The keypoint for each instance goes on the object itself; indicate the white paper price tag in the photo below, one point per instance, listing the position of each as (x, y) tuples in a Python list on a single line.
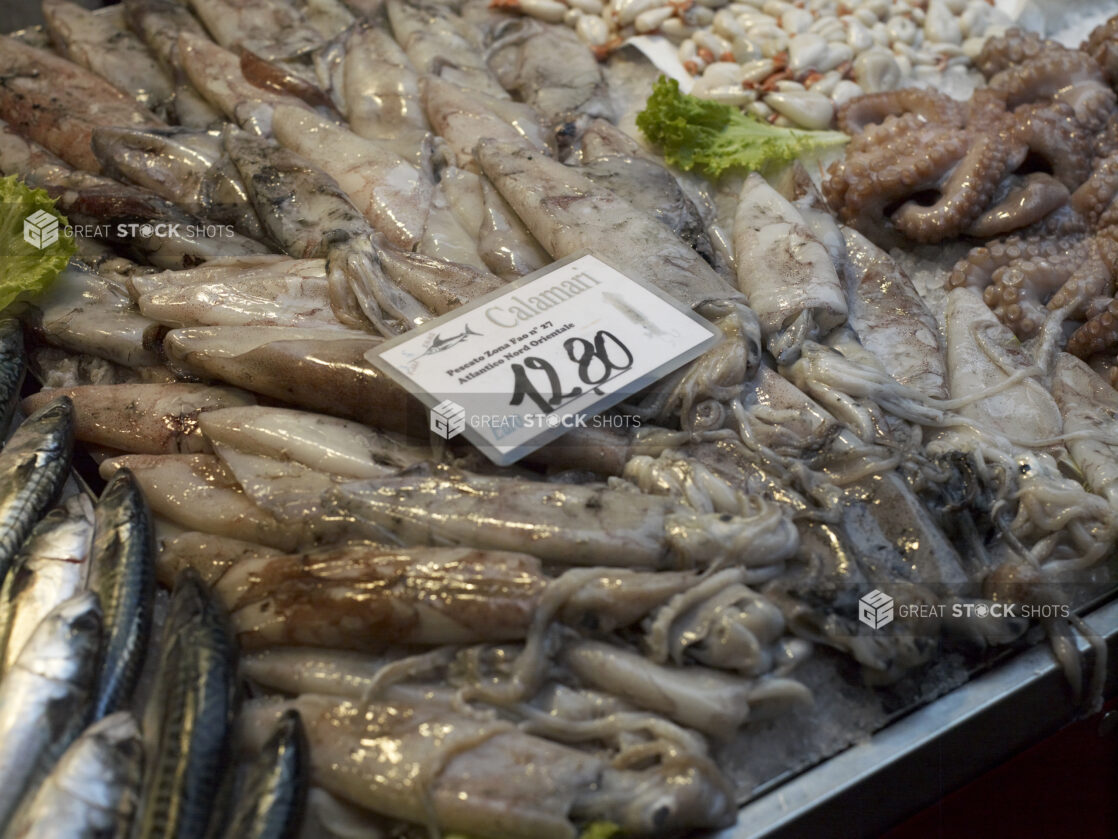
[(541, 356)]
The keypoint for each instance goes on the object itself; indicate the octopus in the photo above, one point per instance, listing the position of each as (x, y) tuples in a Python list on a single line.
[(1029, 165), (922, 167)]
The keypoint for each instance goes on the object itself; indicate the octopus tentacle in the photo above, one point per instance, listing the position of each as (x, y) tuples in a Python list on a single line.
[(976, 270), (861, 187), (1010, 49), (1102, 45), (1106, 139), (1029, 143), (1019, 289), (1017, 293), (969, 188), (1092, 278), (1061, 223), (1097, 193), (1050, 131), (895, 130), (1092, 102), (854, 116), (1026, 201), (908, 132), (1097, 335), (1044, 75)]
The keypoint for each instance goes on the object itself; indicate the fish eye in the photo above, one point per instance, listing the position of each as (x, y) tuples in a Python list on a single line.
[(661, 815)]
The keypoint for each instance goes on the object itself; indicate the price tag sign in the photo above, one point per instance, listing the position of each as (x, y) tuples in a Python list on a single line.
[(541, 356)]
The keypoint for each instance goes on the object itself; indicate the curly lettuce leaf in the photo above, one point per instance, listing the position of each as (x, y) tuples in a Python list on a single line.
[(600, 830), (712, 138), (28, 218)]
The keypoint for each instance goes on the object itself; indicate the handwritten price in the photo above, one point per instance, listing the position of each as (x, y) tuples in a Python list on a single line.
[(597, 362)]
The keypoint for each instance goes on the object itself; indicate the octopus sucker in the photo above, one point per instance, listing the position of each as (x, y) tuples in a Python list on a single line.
[(1045, 74), (968, 188), (1092, 278), (924, 168), (1092, 198), (1023, 290), (1050, 131), (981, 266), (1061, 264), (1102, 45), (1097, 335), (1010, 50)]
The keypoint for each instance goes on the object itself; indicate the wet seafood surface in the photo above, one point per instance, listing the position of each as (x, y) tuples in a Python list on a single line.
[(290, 609)]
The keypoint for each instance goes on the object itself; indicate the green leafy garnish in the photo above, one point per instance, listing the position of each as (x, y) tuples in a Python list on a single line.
[(600, 830), (711, 137), (26, 266)]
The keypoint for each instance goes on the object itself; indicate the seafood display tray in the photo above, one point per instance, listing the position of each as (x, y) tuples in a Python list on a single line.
[(929, 750), (917, 759)]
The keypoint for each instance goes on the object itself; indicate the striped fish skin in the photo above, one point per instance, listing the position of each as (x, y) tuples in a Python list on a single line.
[(274, 793), (13, 366), (191, 710), (91, 793), (33, 467), (45, 699), (123, 575), (52, 567)]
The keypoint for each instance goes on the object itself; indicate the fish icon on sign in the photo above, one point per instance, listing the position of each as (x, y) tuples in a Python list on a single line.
[(440, 344)]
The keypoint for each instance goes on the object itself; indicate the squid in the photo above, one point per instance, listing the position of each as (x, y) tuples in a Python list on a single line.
[(428, 764)]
